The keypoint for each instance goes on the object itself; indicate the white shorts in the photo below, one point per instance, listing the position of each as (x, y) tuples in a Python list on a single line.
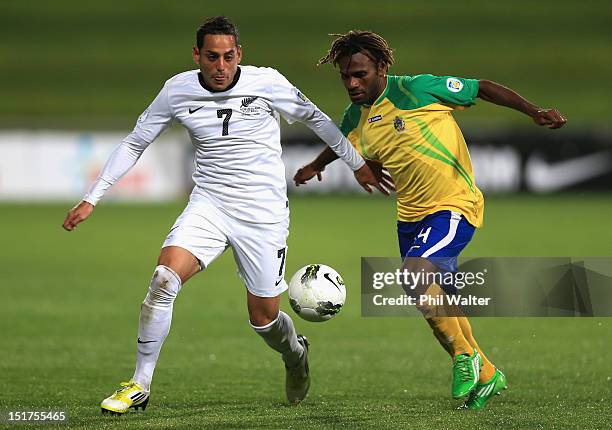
[(260, 250)]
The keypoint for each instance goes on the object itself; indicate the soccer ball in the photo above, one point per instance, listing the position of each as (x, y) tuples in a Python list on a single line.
[(316, 292)]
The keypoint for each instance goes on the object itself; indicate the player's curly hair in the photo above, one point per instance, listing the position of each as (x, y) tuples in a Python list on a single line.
[(368, 43), (216, 25)]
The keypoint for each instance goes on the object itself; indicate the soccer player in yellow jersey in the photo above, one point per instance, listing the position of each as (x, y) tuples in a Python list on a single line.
[(404, 124)]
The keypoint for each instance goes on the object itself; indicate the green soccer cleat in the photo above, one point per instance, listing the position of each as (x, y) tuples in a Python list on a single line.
[(483, 392), (466, 369), (297, 379), (130, 395)]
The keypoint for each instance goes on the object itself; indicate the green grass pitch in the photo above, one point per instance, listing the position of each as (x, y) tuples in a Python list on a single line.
[(70, 306)]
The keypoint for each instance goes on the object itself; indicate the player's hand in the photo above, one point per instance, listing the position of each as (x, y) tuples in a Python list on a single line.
[(77, 214), (306, 173), (366, 177), (551, 118), (381, 174)]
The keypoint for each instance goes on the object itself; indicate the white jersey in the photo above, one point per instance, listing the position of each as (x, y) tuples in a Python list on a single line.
[(236, 135)]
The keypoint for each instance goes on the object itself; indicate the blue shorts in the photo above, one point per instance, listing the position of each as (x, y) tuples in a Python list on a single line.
[(440, 237)]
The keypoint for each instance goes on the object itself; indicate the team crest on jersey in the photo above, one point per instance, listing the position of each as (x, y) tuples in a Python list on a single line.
[(399, 124), (246, 108), (248, 100), (454, 85)]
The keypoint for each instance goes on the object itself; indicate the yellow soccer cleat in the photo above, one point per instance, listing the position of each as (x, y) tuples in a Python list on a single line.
[(130, 395)]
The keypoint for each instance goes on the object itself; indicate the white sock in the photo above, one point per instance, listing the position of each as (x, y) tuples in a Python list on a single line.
[(155, 319), (280, 336)]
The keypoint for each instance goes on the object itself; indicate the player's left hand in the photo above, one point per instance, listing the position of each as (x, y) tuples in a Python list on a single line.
[(306, 173), (366, 177), (77, 215), (381, 174), (551, 118)]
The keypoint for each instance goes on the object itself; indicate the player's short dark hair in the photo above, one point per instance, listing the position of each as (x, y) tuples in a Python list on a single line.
[(368, 43), (216, 25)]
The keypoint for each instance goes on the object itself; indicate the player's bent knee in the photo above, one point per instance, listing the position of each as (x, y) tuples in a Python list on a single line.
[(262, 320), (180, 261), (262, 310), (165, 286)]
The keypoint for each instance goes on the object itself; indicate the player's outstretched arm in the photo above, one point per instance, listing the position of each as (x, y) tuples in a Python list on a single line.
[(338, 144), (316, 167), (154, 120), (77, 215), (500, 95), (121, 160)]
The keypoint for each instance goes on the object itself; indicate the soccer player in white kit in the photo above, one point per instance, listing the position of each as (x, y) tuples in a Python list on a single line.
[(239, 200)]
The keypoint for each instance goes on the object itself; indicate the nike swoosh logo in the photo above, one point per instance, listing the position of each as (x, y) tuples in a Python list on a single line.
[(541, 176), (195, 110), (278, 282), (146, 341), (326, 276)]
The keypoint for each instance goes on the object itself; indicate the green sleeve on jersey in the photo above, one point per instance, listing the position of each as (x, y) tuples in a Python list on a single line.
[(447, 89), (401, 95), (350, 119)]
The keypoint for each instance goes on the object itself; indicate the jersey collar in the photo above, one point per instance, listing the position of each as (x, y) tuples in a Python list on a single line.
[(232, 85), (384, 93)]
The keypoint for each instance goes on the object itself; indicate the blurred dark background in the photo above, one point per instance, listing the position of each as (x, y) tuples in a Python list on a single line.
[(96, 65)]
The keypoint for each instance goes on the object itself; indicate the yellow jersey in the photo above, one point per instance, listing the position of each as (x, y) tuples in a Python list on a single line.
[(411, 131)]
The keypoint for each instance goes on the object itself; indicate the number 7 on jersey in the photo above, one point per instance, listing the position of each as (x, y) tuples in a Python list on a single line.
[(228, 115)]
